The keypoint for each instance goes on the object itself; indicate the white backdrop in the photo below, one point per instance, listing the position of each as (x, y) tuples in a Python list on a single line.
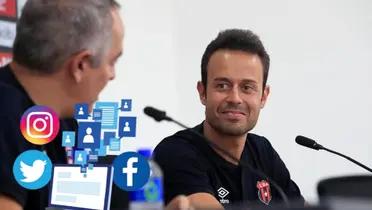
[(320, 76)]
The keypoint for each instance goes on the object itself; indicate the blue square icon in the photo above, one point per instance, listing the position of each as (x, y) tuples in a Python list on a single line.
[(107, 136), (97, 114), (90, 166), (69, 153), (68, 139), (101, 151), (114, 144), (109, 117), (92, 158), (89, 134), (80, 157), (126, 105), (127, 126), (81, 111)]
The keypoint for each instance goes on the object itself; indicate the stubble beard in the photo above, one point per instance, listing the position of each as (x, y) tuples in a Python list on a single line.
[(230, 128)]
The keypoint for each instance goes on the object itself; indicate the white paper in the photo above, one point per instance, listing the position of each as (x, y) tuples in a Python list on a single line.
[(72, 189)]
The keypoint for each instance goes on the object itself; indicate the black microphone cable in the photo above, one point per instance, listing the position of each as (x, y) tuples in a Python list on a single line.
[(307, 142)]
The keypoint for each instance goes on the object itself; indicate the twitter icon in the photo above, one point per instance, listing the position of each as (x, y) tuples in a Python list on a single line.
[(32, 169)]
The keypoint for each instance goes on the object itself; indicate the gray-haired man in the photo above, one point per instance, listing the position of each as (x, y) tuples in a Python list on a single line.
[(64, 53)]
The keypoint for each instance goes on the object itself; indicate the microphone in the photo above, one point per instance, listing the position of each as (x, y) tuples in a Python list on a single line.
[(156, 114), (307, 142), (161, 115)]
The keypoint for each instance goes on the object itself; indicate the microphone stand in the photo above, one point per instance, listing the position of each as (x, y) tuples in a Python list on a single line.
[(348, 158), (310, 143)]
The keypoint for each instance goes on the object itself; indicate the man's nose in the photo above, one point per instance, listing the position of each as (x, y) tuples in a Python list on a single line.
[(234, 96)]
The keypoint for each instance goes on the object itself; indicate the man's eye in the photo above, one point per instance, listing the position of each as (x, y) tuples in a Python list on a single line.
[(222, 86), (249, 88)]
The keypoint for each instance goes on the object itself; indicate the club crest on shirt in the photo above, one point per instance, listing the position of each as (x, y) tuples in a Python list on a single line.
[(222, 193), (264, 192)]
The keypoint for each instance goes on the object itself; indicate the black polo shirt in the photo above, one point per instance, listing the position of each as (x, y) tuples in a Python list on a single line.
[(190, 166), (13, 102)]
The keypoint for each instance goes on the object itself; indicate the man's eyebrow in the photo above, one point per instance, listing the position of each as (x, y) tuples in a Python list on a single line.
[(224, 79), (221, 79), (251, 81)]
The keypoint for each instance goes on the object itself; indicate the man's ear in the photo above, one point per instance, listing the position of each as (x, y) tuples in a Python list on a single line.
[(265, 95), (202, 92), (79, 64)]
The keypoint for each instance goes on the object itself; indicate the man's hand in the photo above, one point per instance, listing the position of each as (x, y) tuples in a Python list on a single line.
[(204, 201), (180, 202), (194, 201), (8, 203)]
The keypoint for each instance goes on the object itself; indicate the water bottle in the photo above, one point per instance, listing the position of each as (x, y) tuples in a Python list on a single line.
[(150, 197)]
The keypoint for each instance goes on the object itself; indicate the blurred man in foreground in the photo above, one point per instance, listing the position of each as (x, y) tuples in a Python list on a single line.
[(64, 53)]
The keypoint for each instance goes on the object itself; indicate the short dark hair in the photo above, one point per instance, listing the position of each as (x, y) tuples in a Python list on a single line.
[(236, 39)]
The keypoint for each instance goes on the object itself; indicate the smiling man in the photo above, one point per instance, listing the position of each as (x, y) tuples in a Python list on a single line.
[(233, 89)]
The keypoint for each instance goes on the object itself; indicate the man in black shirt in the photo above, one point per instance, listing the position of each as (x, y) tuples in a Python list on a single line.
[(64, 53), (233, 90)]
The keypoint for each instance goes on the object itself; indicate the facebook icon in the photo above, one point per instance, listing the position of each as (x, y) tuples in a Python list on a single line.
[(131, 171)]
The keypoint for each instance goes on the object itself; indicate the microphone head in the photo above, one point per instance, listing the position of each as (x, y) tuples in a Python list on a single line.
[(155, 113), (307, 142)]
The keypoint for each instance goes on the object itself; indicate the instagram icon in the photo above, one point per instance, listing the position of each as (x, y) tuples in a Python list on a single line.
[(39, 125)]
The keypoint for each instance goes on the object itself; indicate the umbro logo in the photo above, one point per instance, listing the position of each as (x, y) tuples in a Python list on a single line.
[(222, 193)]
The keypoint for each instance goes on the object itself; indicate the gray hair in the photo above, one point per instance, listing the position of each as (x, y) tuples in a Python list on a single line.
[(51, 31)]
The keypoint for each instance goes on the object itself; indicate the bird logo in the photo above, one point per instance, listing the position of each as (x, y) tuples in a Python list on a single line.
[(32, 169), (34, 172)]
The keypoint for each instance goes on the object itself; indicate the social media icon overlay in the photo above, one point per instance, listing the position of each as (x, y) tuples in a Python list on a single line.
[(32, 169), (107, 137), (127, 126), (68, 138), (80, 157), (114, 144), (126, 105), (109, 114), (89, 134), (131, 171), (97, 114), (39, 125), (81, 111)]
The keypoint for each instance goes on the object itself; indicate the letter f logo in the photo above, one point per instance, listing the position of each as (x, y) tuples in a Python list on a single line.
[(130, 170)]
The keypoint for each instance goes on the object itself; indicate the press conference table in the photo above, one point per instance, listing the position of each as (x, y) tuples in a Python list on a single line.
[(332, 204)]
